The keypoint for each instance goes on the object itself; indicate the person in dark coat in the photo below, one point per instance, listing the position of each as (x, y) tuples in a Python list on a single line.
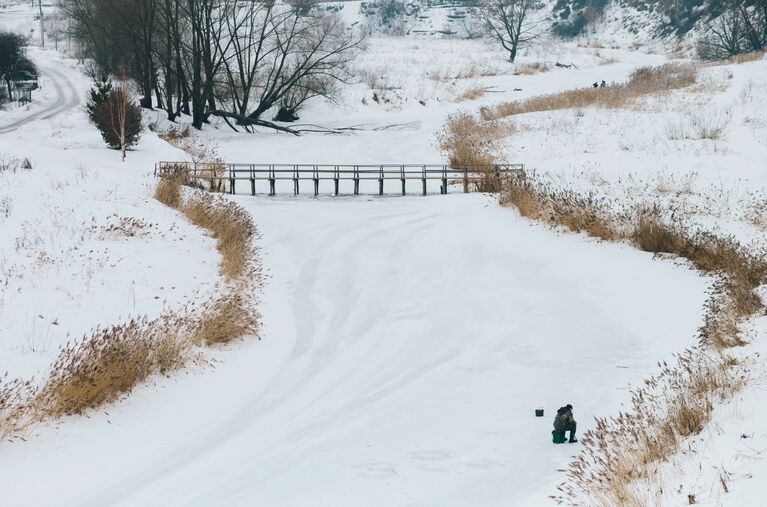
[(564, 422)]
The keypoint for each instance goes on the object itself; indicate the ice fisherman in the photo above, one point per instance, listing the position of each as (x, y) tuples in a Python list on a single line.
[(564, 422)]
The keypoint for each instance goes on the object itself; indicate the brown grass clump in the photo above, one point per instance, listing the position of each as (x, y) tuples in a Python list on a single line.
[(232, 316), (747, 57), (176, 134), (468, 141), (570, 210), (229, 224), (168, 191), (110, 364), (476, 145), (642, 81), (651, 234), (470, 94), (15, 406), (529, 69), (608, 61)]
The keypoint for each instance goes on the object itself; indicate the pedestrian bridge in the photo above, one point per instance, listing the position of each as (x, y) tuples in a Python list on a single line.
[(225, 177)]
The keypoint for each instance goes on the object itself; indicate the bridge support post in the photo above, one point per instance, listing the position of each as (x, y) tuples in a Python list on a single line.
[(316, 187), (380, 181), (465, 180), (356, 180), (252, 186)]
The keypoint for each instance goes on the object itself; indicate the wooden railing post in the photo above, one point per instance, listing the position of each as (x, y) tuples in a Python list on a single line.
[(402, 176), (336, 178), (423, 179), (380, 181), (444, 180), (356, 180), (252, 180), (271, 180), (465, 180), (295, 180), (316, 176), (231, 179)]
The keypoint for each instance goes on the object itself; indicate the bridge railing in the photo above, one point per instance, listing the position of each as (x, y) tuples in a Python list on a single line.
[(220, 177)]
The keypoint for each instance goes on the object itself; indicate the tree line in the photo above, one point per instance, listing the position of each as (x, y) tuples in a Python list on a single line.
[(235, 59)]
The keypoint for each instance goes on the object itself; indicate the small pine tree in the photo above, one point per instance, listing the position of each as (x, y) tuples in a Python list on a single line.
[(102, 87), (115, 114)]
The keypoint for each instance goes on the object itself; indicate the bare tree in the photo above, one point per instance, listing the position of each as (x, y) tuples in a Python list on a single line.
[(282, 55), (740, 28), (510, 21)]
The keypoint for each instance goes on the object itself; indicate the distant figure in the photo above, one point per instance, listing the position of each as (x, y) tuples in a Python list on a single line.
[(595, 85), (564, 422), (603, 84)]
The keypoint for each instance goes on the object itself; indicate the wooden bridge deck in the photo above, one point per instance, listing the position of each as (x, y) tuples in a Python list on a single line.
[(219, 176)]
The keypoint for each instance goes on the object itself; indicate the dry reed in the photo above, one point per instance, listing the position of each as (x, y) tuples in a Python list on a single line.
[(642, 81), (476, 145)]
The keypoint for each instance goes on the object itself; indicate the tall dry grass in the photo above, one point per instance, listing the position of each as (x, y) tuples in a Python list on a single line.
[(111, 362), (642, 81), (229, 224), (469, 142), (168, 191), (678, 402)]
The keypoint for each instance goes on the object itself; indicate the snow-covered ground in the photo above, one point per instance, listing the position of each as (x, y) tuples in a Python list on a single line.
[(406, 341)]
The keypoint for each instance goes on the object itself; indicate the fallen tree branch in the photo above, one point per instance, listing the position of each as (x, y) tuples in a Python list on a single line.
[(246, 120)]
